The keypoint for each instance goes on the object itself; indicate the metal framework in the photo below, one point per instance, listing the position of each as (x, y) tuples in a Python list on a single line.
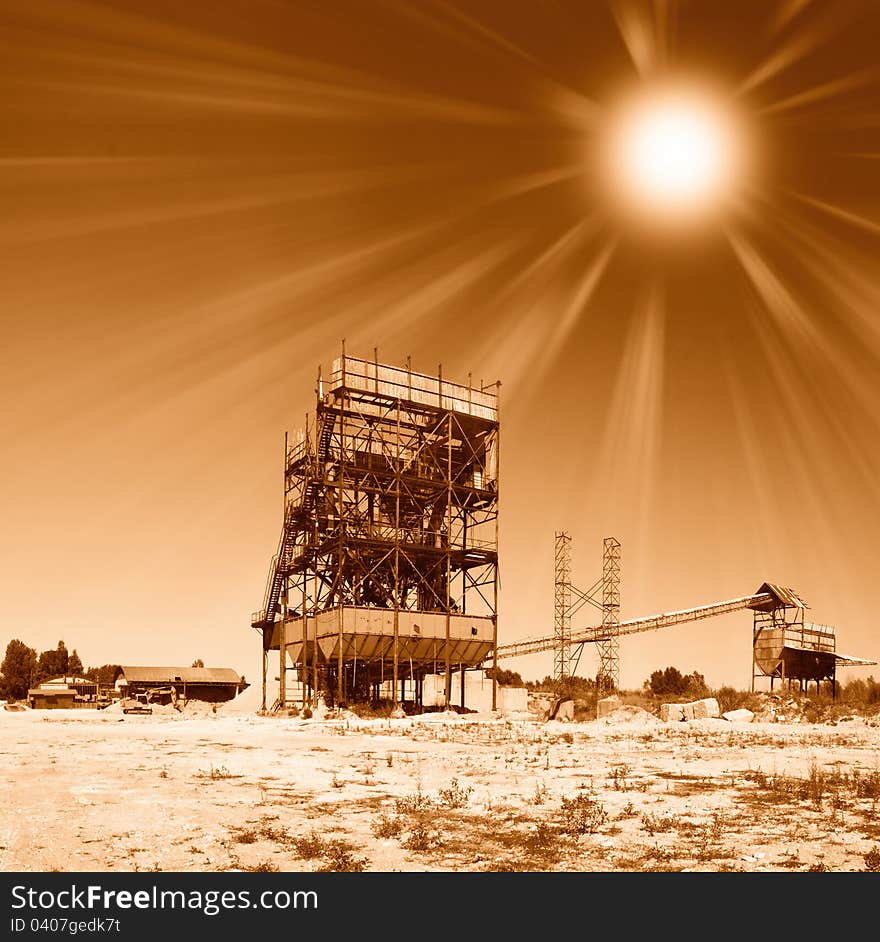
[(562, 609), (608, 678), (597, 633), (387, 565), (787, 648), (568, 600), (784, 646)]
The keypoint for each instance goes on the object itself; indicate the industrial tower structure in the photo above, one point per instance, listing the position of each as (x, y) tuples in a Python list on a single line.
[(608, 678), (785, 647), (562, 609), (567, 654), (387, 564)]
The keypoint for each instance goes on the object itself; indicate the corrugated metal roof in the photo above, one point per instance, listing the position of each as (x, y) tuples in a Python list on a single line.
[(66, 681), (784, 594), (187, 675), (847, 660)]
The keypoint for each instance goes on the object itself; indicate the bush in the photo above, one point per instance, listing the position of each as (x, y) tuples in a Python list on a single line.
[(245, 837), (309, 846), (582, 815), (729, 699), (413, 804), (421, 837), (672, 683), (455, 796), (340, 859), (504, 677), (387, 825), (658, 824), (861, 693)]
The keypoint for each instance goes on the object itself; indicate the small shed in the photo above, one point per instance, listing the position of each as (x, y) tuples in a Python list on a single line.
[(51, 698), (211, 684), (83, 687)]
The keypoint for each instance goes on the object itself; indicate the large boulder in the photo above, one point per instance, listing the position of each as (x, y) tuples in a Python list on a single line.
[(672, 712), (607, 705), (706, 708), (564, 711)]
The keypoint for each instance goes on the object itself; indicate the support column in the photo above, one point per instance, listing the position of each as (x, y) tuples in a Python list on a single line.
[(562, 608), (495, 575), (315, 687), (282, 652), (448, 541), (397, 554), (340, 574), (304, 659), (609, 647)]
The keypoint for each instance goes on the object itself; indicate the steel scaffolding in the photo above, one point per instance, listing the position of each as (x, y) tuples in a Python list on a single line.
[(562, 609), (608, 676), (387, 566)]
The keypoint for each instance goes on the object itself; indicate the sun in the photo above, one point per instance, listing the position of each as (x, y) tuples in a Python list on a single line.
[(673, 154)]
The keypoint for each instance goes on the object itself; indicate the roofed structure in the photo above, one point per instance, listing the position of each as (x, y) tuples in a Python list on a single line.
[(189, 675), (213, 684)]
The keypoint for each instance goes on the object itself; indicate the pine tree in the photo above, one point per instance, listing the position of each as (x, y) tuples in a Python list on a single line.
[(74, 665)]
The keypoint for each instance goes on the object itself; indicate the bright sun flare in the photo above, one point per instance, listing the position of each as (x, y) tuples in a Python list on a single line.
[(672, 154)]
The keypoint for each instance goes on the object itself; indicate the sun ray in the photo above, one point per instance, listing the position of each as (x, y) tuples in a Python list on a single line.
[(792, 50), (799, 349), (631, 439), (788, 10), (821, 92), (841, 272), (838, 212), (513, 352), (574, 310), (638, 34)]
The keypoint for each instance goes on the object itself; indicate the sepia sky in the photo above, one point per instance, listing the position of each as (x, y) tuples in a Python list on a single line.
[(199, 200)]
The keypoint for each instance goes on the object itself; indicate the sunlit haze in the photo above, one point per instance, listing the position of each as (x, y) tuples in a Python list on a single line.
[(201, 199)]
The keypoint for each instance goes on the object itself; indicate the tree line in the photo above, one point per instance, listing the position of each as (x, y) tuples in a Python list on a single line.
[(23, 668)]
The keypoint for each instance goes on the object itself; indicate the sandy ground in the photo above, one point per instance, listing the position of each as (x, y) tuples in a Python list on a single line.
[(102, 791)]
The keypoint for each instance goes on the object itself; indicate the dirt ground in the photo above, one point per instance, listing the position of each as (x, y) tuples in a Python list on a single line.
[(90, 791)]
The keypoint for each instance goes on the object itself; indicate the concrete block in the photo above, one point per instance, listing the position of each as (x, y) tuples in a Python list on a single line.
[(607, 705), (672, 712), (703, 709), (565, 711), (739, 716)]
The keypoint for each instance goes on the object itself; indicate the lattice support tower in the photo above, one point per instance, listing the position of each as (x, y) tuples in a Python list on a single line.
[(608, 677), (562, 609)]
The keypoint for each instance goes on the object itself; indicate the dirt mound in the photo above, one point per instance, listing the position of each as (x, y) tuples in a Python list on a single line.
[(248, 701)]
